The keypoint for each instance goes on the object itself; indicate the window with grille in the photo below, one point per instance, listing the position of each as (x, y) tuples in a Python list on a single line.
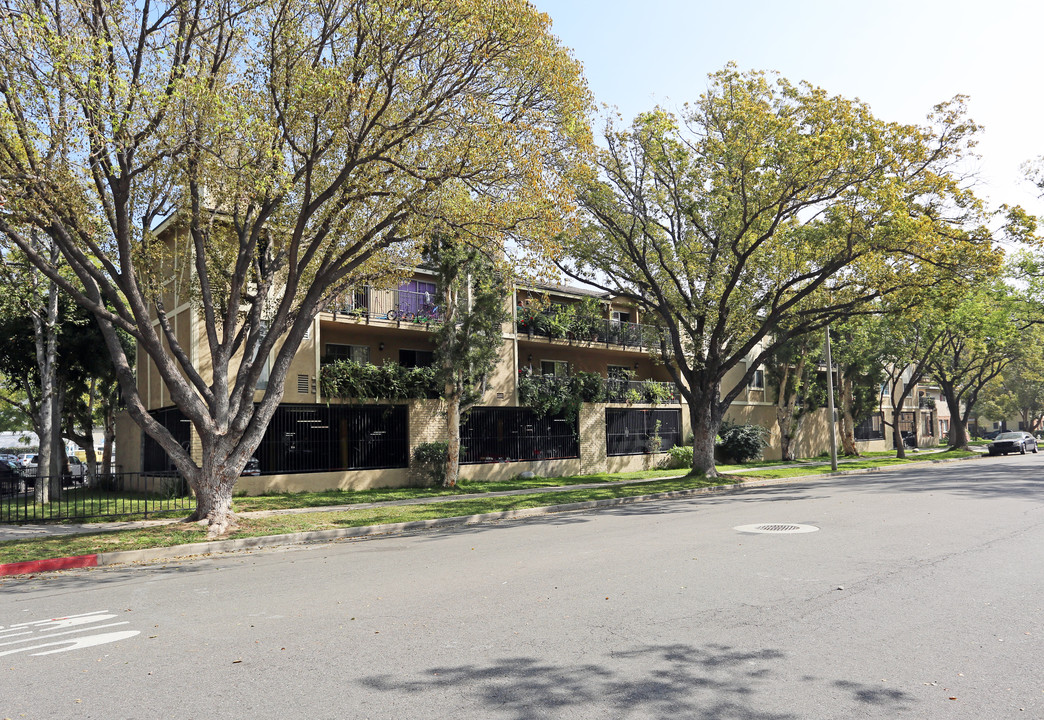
[(630, 431), (303, 386), (509, 434)]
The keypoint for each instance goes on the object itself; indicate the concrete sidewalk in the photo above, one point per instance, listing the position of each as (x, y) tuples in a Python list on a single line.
[(39, 530), (23, 532)]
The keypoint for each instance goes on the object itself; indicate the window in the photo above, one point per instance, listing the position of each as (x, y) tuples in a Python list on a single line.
[(416, 358), (303, 386), (358, 353), (619, 372), (944, 427), (757, 381), (557, 368), (620, 317), (414, 295)]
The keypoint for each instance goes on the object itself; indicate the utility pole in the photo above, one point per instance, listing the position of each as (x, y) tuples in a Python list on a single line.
[(830, 402)]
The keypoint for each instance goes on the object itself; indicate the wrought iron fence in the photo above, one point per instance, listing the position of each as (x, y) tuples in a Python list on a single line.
[(509, 434), (114, 495), (637, 432)]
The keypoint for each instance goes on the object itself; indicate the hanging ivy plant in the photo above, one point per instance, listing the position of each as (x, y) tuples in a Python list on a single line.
[(349, 380), (550, 395)]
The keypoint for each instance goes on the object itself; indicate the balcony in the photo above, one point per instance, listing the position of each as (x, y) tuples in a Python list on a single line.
[(600, 330), (400, 306), (641, 391), (554, 391)]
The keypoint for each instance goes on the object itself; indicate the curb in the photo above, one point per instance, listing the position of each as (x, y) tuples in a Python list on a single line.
[(122, 557), (62, 563)]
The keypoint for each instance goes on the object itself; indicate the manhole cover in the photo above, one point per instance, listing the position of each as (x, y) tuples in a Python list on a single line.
[(776, 528)]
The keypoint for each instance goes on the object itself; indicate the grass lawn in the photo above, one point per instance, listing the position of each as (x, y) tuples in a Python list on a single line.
[(872, 462), (181, 533), (282, 501), (468, 498)]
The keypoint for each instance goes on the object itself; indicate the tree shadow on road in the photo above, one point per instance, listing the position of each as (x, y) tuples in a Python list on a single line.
[(659, 681)]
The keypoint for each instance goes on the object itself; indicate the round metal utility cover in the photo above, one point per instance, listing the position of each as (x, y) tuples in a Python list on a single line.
[(777, 528)]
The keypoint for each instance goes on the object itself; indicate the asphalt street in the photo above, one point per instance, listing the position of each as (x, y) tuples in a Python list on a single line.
[(920, 595)]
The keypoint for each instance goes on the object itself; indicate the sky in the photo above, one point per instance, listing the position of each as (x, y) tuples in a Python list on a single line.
[(900, 57)]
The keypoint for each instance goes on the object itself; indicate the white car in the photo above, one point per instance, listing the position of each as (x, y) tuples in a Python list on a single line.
[(77, 468)]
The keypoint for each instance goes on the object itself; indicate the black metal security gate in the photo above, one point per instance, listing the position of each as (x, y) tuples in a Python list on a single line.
[(510, 434), (638, 431), (316, 438)]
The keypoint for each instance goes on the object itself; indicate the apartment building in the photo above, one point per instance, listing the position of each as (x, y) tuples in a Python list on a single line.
[(321, 440)]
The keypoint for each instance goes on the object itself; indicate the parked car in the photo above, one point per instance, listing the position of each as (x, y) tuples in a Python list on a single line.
[(1009, 442), (11, 480), (77, 468), (253, 467)]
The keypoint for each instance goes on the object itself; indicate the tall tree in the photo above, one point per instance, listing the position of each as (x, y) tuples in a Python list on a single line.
[(769, 205), (858, 354), (294, 149), (468, 341), (31, 325), (792, 371), (910, 344), (982, 337)]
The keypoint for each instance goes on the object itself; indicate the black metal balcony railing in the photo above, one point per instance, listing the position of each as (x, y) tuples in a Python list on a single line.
[(612, 332), (640, 391), (395, 305)]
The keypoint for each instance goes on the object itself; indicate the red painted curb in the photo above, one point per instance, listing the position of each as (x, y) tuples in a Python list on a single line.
[(64, 563)]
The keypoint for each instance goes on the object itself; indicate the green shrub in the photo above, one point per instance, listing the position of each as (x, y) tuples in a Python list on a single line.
[(350, 380), (429, 463), (741, 443), (678, 457)]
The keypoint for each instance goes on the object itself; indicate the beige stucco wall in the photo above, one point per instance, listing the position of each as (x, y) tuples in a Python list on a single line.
[(128, 443)]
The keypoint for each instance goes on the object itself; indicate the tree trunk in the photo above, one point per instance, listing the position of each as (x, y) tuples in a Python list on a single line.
[(848, 445), (213, 483), (897, 435), (453, 435), (787, 429), (958, 424), (109, 433), (58, 461), (706, 421)]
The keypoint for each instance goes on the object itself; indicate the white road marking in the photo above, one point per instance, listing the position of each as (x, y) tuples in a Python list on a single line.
[(45, 630)]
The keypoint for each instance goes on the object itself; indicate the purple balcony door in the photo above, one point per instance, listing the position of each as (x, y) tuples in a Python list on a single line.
[(415, 294)]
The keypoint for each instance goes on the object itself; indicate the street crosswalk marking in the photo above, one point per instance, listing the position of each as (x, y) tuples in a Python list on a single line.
[(62, 634)]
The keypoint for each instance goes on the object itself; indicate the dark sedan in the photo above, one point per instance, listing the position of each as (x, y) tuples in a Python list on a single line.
[(1009, 442)]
